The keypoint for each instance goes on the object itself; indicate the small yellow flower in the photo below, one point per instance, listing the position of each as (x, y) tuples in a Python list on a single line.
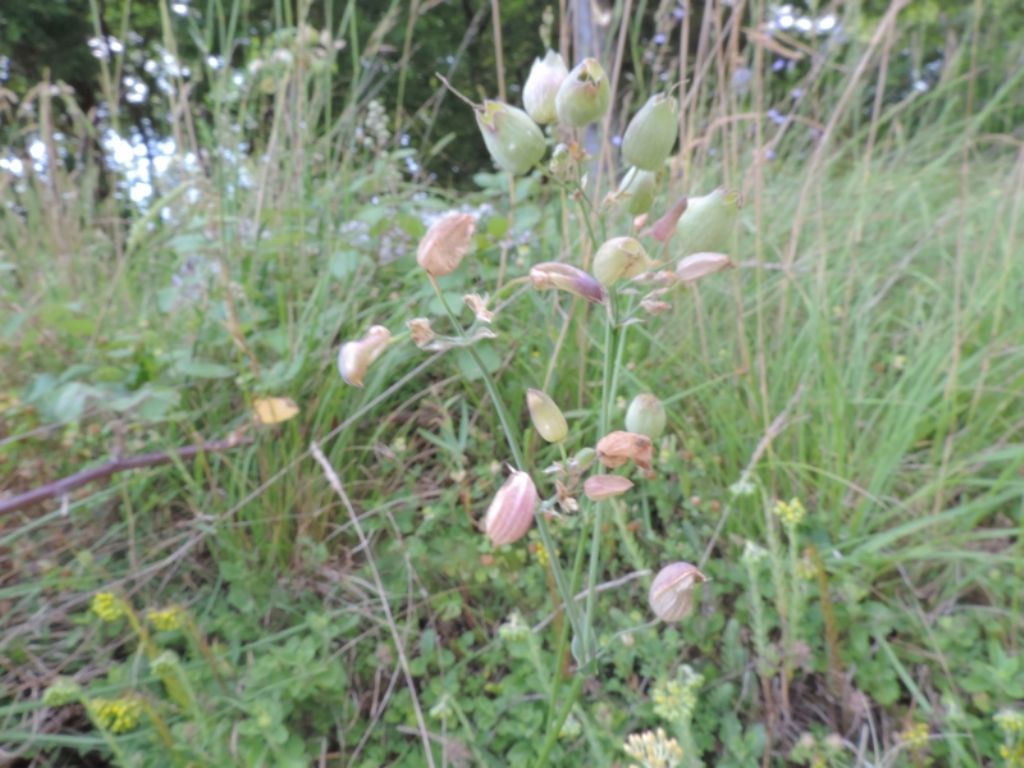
[(116, 715), (915, 736), (791, 513), (108, 606), (167, 619), (653, 749)]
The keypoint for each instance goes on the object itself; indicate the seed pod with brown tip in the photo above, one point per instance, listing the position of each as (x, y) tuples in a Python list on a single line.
[(584, 95), (616, 448), (511, 512), (514, 141), (671, 595), (446, 243)]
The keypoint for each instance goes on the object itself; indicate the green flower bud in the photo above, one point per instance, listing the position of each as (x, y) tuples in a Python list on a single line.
[(63, 690), (708, 223), (546, 416), (546, 76), (651, 133), (637, 190), (620, 257), (584, 95), (646, 416), (515, 142)]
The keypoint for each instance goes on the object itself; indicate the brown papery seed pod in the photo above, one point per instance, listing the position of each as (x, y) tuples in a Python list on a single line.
[(446, 243), (355, 357), (616, 448)]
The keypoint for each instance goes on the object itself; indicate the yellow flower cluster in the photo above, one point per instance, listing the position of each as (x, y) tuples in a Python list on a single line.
[(790, 513), (116, 715), (654, 749), (167, 619), (915, 736), (675, 700), (542, 555), (1010, 722), (108, 606)]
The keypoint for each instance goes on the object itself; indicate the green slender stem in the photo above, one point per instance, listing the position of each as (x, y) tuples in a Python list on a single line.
[(589, 641), (499, 405), (584, 201), (555, 729), (517, 457)]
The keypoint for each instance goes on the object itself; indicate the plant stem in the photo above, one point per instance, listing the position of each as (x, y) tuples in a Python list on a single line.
[(517, 457), (556, 727), (499, 405)]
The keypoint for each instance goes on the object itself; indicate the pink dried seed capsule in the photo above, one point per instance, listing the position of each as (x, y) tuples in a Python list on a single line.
[(671, 594), (663, 229), (698, 265), (564, 277), (599, 487), (511, 512)]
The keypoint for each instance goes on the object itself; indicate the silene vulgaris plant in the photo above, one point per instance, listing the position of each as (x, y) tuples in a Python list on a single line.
[(624, 266)]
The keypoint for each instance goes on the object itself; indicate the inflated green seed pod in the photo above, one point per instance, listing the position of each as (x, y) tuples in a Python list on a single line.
[(515, 142), (620, 257), (546, 416), (651, 133), (708, 223), (584, 95), (637, 190), (646, 416)]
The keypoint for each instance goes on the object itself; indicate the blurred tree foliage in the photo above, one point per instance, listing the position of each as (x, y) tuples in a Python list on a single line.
[(453, 37)]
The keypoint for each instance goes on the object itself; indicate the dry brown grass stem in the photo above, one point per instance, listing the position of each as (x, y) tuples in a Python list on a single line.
[(335, 483)]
